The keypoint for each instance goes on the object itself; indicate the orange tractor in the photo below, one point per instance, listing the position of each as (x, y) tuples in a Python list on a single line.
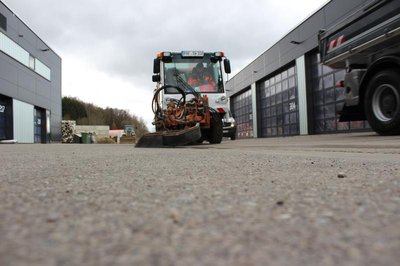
[(182, 112)]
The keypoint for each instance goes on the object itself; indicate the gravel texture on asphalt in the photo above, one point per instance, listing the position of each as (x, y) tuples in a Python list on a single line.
[(200, 205)]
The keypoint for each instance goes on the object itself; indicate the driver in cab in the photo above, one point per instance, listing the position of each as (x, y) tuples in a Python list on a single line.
[(201, 79)]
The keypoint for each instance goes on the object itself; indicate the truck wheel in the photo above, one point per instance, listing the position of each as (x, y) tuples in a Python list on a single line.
[(382, 102), (216, 133), (233, 136)]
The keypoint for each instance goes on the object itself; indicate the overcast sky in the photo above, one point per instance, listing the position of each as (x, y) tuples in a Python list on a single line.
[(107, 47)]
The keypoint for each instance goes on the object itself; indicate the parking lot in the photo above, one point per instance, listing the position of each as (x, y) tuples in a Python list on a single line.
[(304, 200)]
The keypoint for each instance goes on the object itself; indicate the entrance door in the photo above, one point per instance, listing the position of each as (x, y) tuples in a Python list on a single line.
[(2, 121), (6, 123), (40, 125)]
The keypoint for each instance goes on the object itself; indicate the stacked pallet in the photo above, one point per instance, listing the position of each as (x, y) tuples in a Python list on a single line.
[(68, 131)]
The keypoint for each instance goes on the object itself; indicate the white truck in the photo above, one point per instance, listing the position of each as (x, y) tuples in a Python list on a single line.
[(367, 45)]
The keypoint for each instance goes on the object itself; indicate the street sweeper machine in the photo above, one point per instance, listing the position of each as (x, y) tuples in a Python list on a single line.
[(189, 100)]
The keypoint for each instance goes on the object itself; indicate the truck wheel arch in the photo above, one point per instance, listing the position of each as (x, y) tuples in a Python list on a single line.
[(386, 62), (382, 102)]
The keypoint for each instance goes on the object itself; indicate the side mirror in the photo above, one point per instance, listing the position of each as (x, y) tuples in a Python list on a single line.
[(227, 66), (156, 66), (156, 78)]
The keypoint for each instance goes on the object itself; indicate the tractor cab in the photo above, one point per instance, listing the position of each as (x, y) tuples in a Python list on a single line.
[(193, 71)]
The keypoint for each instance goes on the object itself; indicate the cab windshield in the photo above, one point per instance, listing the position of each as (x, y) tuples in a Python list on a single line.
[(199, 74)]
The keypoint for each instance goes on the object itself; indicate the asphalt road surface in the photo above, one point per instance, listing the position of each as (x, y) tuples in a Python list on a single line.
[(305, 200)]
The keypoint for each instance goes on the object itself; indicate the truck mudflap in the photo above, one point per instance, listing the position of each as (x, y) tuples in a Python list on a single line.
[(170, 138), (351, 113)]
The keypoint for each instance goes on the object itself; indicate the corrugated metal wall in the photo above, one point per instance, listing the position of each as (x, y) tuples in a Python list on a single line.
[(23, 122)]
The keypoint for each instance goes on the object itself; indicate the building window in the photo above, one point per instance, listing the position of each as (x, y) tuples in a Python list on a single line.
[(31, 62), (42, 69), (12, 49), (15, 51)]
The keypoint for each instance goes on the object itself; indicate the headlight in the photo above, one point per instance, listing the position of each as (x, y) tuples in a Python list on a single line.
[(221, 99)]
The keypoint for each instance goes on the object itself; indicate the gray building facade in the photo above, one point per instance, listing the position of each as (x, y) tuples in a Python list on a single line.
[(30, 84), (286, 91)]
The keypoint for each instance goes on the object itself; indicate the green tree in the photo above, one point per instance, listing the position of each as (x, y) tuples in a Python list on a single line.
[(89, 114), (73, 109)]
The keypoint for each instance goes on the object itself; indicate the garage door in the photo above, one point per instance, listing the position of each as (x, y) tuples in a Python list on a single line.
[(242, 109), (328, 99), (278, 104)]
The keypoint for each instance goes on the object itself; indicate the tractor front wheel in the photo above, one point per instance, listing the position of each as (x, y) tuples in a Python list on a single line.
[(215, 134)]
